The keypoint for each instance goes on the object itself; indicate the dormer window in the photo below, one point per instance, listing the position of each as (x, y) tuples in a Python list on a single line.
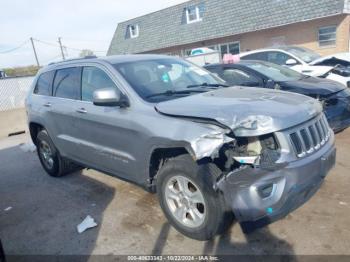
[(134, 31), (193, 14)]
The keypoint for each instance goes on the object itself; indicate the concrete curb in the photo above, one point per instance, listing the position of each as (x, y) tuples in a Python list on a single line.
[(12, 121)]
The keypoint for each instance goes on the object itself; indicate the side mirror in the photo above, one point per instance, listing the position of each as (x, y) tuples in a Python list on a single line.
[(109, 97), (291, 62), (270, 84)]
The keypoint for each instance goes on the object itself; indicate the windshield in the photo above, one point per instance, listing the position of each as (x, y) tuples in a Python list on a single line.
[(163, 79), (304, 54), (275, 72)]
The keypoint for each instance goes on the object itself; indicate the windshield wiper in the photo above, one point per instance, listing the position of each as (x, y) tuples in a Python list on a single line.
[(207, 85), (171, 93)]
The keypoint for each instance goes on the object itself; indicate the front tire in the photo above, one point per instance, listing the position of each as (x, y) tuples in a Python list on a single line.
[(51, 160), (186, 195)]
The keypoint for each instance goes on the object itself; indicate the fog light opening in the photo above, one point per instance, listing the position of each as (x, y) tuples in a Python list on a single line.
[(266, 191)]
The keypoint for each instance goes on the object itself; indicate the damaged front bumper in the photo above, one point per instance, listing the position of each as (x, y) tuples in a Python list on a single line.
[(256, 194)]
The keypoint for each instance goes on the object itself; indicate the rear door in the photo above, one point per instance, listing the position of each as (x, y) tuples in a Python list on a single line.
[(62, 122), (39, 103)]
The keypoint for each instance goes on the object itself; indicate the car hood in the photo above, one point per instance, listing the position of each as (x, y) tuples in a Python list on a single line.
[(247, 111), (316, 70), (339, 56), (312, 86)]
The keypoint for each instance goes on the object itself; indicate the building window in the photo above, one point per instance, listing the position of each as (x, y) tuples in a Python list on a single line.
[(188, 52), (134, 31), (193, 14), (230, 48), (327, 36)]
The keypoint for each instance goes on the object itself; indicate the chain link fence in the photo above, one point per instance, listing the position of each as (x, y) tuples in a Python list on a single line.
[(13, 92)]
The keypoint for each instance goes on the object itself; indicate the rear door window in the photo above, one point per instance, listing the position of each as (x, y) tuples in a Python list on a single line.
[(67, 83), (44, 84), (93, 79), (262, 56)]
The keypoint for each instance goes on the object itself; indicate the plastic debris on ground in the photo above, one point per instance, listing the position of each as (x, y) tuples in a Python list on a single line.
[(88, 222), (7, 209), (343, 203), (27, 147)]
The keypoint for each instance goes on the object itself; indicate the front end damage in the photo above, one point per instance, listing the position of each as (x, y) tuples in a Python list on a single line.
[(273, 148), (265, 177)]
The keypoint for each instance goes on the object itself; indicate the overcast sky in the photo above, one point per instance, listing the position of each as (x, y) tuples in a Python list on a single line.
[(82, 24)]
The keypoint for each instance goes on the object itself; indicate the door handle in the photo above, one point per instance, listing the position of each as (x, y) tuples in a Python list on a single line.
[(48, 104), (82, 111)]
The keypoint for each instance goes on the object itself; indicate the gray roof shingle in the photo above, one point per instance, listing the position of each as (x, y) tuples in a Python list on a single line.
[(165, 28)]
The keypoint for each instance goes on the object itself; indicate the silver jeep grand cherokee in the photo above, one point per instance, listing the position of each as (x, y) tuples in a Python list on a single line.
[(208, 150)]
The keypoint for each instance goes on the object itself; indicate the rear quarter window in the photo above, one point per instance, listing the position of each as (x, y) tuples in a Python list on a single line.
[(44, 84), (67, 83)]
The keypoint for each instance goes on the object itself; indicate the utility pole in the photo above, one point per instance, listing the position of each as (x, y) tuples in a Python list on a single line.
[(35, 54), (59, 41)]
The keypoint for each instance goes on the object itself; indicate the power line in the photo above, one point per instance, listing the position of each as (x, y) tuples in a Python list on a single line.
[(15, 48), (67, 47), (86, 40), (46, 43), (51, 59)]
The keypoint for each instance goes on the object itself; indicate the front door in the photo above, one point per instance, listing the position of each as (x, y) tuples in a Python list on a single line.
[(107, 140)]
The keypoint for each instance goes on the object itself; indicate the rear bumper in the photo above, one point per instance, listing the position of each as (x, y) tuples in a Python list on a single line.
[(291, 185)]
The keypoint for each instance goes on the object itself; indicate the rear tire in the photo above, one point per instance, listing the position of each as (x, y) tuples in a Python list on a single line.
[(186, 195), (51, 160)]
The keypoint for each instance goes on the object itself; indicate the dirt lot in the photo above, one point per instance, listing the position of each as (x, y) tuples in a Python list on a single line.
[(45, 212)]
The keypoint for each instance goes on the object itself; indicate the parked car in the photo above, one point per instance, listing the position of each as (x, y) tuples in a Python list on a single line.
[(334, 96), (304, 61), (208, 150)]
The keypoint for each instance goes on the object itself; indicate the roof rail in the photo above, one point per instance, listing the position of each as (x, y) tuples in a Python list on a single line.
[(74, 59)]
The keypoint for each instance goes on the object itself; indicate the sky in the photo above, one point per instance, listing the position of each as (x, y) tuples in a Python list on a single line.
[(81, 24)]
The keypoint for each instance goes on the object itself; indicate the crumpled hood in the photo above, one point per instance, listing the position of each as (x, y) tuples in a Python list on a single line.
[(247, 111), (313, 86), (340, 56), (317, 70)]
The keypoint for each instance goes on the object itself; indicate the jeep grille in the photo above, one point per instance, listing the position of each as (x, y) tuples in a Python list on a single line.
[(311, 136)]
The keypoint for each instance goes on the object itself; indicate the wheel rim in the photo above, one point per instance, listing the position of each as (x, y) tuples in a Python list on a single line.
[(46, 154), (185, 201)]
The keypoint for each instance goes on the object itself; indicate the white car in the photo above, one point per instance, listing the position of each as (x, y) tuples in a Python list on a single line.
[(335, 67)]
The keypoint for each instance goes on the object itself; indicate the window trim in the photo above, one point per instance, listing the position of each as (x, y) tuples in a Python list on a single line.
[(137, 29), (331, 40), (198, 16)]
